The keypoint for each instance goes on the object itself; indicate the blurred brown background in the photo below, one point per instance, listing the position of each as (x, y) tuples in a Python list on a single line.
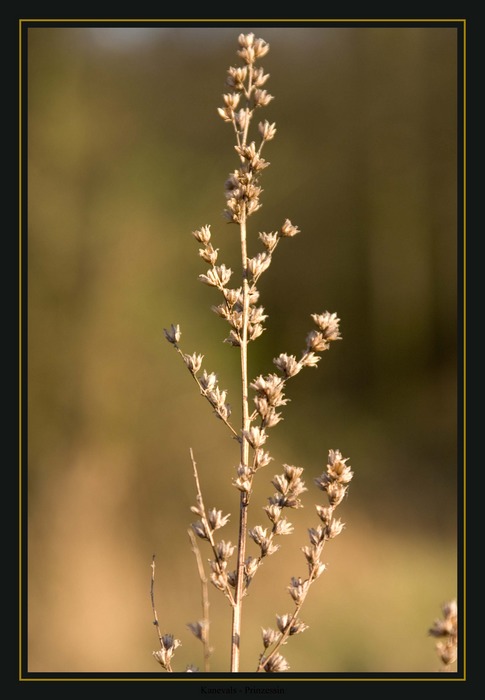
[(127, 156)]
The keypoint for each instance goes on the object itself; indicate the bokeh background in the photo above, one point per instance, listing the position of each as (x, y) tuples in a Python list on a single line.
[(126, 157)]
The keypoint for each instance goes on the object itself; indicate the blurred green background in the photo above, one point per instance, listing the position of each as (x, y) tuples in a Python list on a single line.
[(126, 157)]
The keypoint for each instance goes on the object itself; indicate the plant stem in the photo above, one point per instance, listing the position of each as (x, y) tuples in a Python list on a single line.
[(244, 499)]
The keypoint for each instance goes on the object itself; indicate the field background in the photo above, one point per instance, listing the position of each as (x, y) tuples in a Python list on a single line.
[(127, 156)]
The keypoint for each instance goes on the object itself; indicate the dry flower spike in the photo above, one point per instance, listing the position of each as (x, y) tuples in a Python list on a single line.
[(231, 568)]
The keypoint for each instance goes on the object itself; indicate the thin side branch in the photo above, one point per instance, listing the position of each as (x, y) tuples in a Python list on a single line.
[(152, 597), (205, 623), (207, 526), (168, 643)]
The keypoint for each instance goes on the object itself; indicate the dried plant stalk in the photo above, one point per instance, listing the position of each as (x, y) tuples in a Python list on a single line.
[(239, 307)]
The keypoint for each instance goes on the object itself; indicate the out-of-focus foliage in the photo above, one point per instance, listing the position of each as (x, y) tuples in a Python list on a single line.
[(127, 156)]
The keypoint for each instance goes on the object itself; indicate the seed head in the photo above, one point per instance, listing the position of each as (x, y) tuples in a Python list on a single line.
[(328, 324), (276, 664), (288, 230), (173, 335), (203, 234)]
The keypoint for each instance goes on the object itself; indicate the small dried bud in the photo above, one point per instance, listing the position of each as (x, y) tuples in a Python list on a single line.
[(208, 381), (224, 411), (258, 534), (259, 77), (255, 436), (251, 565), (257, 315), (315, 342), (317, 535), (318, 570), (259, 264), (268, 548), (255, 330), (269, 637), (233, 212), (217, 397), (209, 254), (323, 481), (271, 418), (267, 130), (447, 651), (200, 530), (309, 359), (173, 335), (276, 664), (231, 100), (288, 230), (224, 550), (298, 589), (246, 40), (287, 364), (262, 98), (285, 623), (336, 493), (161, 658), (193, 362), (312, 555), (283, 527), (236, 77), (198, 629), (248, 54), (334, 528), (280, 483), (261, 458), (271, 387), (337, 469), (216, 519), (203, 235), (328, 324), (232, 295), (261, 48), (217, 276), (169, 642), (444, 627), (293, 473), (269, 240), (282, 621), (324, 513), (273, 512), (447, 630), (221, 310), (290, 486), (243, 483), (233, 339), (251, 154), (164, 655), (220, 580), (253, 296), (242, 118), (232, 578), (226, 113)]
